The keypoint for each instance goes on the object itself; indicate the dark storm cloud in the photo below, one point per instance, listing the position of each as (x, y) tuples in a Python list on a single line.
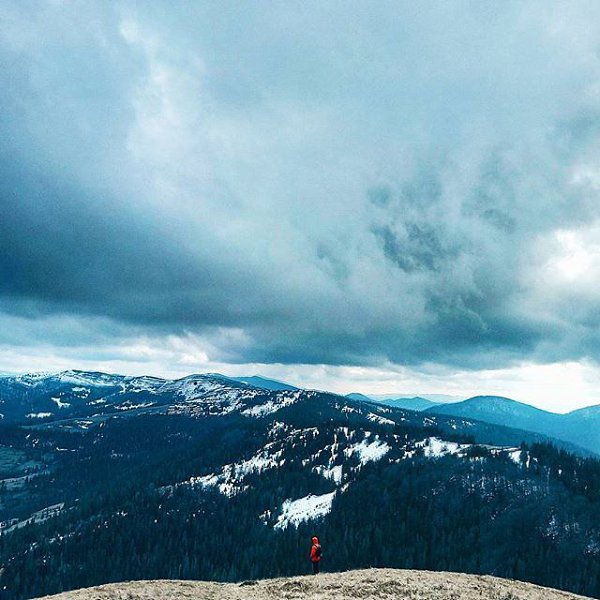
[(407, 185), (421, 248), (68, 250)]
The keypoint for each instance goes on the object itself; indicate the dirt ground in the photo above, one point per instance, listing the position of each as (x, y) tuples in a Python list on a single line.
[(365, 584)]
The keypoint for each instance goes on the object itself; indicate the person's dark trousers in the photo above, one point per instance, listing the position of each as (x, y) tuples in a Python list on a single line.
[(315, 567)]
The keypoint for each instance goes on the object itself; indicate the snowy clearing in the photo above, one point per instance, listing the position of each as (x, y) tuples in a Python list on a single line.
[(271, 406), (60, 404), (434, 447), (310, 507), (379, 419), (332, 473), (368, 451)]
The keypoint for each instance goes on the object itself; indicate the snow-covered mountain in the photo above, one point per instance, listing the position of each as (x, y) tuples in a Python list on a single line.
[(41, 398), (82, 399)]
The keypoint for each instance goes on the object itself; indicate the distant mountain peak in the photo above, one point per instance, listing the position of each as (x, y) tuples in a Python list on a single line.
[(501, 403), (360, 397), (417, 403), (265, 383)]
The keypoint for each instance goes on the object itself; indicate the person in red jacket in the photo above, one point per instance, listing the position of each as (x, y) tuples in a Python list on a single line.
[(315, 554)]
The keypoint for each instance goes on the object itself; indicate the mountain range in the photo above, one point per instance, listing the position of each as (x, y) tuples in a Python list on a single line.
[(581, 427), (414, 403), (193, 478)]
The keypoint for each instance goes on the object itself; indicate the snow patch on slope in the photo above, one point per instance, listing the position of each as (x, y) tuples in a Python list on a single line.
[(130, 406), (333, 473), (40, 415), (81, 378), (230, 481), (379, 419), (368, 450), (272, 406), (60, 404), (434, 447), (294, 512)]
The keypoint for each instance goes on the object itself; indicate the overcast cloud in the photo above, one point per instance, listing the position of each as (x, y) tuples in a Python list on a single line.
[(397, 187)]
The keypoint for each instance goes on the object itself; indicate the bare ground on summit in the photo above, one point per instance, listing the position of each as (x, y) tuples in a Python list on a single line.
[(364, 584)]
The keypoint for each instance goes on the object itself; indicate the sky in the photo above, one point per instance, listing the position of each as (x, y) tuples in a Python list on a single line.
[(383, 197)]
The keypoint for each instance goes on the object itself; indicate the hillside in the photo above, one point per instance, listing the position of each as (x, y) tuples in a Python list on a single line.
[(153, 468), (581, 427), (365, 584), (501, 411)]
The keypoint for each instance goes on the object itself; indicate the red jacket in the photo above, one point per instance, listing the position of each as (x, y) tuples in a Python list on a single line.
[(313, 551)]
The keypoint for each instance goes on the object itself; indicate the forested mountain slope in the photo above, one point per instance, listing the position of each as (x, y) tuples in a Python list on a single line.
[(581, 427), (209, 473)]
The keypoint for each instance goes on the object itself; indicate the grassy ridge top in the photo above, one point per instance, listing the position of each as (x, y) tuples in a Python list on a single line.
[(364, 584)]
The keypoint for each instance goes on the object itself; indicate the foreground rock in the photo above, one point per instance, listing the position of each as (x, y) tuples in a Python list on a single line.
[(370, 583)]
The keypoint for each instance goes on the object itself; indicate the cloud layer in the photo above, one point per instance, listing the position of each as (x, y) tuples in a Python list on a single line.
[(326, 183)]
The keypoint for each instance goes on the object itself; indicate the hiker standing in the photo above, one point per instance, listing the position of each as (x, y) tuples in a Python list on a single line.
[(315, 554)]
